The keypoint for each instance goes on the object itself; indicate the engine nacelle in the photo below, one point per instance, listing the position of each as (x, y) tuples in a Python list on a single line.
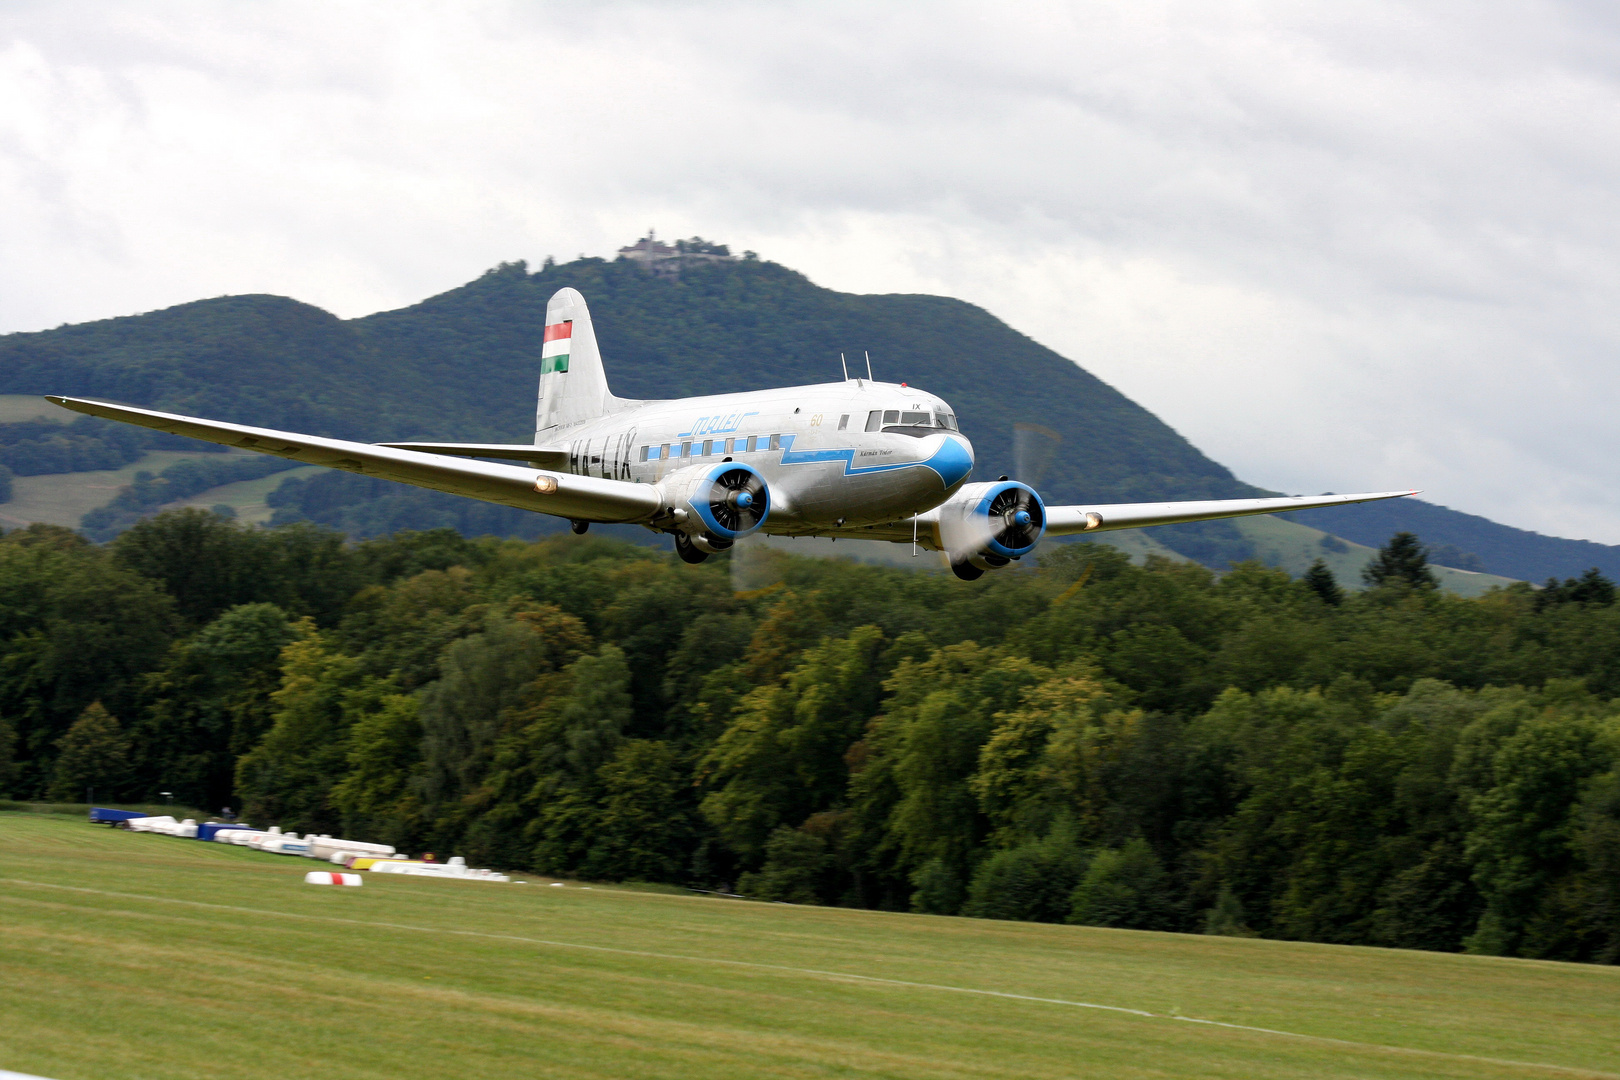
[(984, 526), (710, 507)]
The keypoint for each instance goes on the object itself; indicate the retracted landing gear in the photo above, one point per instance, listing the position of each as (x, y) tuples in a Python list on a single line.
[(966, 571), (688, 551)]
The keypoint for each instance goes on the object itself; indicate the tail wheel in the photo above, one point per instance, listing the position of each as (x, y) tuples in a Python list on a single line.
[(688, 551), (739, 500)]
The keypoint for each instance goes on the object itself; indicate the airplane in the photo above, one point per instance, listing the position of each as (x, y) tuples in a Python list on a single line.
[(858, 458)]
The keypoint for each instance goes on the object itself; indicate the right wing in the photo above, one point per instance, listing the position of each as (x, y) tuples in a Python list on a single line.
[(1103, 517), (583, 498)]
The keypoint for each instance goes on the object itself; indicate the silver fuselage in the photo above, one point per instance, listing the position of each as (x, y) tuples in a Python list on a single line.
[(811, 443)]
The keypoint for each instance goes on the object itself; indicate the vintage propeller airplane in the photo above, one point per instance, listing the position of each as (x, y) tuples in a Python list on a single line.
[(858, 458)]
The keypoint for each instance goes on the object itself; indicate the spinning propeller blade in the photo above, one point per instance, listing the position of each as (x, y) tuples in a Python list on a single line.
[(1034, 450)]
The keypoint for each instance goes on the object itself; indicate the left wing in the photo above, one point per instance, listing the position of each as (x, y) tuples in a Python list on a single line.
[(1067, 520), (546, 457), (583, 498)]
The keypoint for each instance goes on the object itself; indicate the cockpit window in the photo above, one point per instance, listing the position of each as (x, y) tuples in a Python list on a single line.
[(920, 424), (917, 424)]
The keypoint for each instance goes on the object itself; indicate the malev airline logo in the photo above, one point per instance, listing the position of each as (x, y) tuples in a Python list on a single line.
[(723, 424)]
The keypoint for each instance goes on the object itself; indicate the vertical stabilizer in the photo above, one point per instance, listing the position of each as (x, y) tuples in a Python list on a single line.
[(573, 386)]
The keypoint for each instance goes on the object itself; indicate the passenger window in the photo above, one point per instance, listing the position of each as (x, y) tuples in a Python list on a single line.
[(891, 416), (843, 422), (874, 420), (663, 452), (729, 443), (686, 449), (707, 448), (753, 443), (643, 453), (776, 442)]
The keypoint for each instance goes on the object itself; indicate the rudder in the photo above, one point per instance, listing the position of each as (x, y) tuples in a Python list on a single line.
[(573, 386)]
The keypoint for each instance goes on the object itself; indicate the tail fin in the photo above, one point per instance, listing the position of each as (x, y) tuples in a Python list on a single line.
[(573, 386)]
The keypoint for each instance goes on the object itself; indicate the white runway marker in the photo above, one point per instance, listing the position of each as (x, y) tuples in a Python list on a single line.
[(1567, 1070)]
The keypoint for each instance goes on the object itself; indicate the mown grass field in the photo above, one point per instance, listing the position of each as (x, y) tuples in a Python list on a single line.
[(64, 498), (15, 408), (135, 956), (1291, 546), (247, 497)]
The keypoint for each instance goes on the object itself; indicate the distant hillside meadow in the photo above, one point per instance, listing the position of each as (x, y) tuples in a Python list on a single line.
[(463, 366)]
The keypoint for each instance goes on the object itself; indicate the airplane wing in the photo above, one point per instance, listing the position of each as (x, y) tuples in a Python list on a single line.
[(1103, 517), (583, 498), (549, 457)]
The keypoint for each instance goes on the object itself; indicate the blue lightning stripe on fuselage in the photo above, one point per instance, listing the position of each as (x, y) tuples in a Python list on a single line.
[(951, 463)]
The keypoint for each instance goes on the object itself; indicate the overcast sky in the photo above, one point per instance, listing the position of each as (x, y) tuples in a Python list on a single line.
[(1339, 246)]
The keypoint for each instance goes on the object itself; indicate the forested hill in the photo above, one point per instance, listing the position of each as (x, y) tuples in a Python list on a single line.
[(463, 366)]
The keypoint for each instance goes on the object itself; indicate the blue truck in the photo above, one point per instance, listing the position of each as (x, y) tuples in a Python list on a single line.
[(100, 815)]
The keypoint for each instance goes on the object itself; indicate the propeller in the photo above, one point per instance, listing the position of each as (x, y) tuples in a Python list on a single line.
[(739, 500), (1034, 450), (1016, 518), (754, 565), (1006, 523)]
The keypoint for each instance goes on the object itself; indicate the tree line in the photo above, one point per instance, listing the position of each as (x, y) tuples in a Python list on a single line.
[(1092, 741)]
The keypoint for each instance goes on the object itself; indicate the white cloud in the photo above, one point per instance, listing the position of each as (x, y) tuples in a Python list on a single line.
[(1336, 246)]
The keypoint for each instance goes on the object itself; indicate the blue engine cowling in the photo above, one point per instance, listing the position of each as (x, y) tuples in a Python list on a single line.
[(714, 506), (984, 526)]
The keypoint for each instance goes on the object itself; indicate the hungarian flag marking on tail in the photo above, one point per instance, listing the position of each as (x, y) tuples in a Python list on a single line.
[(554, 353)]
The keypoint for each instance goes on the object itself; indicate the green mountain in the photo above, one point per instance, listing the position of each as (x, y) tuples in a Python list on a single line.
[(463, 365)]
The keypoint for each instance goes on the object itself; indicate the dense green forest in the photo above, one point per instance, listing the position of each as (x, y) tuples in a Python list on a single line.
[(1093, 741), (463, 366)]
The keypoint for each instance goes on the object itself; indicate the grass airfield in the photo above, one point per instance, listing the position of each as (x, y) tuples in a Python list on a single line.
[(138, 956)]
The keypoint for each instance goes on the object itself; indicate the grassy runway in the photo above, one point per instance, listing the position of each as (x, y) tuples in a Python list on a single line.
[(133, 956)]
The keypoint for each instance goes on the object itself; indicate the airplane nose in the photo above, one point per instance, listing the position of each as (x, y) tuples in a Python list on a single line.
[(952, 459)]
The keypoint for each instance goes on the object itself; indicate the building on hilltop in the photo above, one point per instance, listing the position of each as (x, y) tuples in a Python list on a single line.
[(665, 260)]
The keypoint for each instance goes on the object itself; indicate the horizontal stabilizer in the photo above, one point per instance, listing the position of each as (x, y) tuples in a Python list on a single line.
[(548, 457), (1103, 517), (581, 498)]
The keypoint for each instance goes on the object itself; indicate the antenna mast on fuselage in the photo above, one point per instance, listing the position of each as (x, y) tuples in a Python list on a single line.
[(868, 366)]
